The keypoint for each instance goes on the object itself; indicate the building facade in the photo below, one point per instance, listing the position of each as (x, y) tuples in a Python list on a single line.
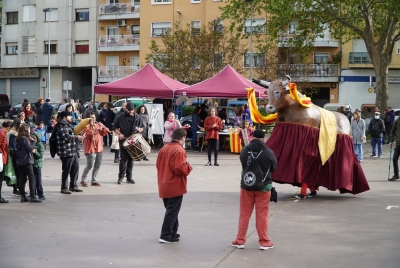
[(25, 47), (357, 81)]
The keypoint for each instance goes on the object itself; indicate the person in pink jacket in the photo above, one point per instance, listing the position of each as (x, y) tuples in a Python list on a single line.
[(170, 125)]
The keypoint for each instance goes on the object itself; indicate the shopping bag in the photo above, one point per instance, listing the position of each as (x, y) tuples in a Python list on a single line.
[(9, 173)]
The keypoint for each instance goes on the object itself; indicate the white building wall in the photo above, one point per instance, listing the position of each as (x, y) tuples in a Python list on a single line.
[(356, 93)]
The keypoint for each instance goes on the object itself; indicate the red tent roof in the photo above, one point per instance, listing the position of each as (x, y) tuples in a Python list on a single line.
[(226, 84), (147, 82)]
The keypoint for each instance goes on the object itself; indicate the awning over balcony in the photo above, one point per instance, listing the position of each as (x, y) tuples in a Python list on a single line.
[(226, 84), (147, 82)]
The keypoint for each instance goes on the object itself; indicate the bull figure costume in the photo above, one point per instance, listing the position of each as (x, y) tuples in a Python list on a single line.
[(314, 144)]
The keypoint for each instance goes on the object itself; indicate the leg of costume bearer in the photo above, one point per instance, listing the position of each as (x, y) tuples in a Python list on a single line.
[(97, 164), (89, 165), (312, 188), (246, 208), (262, 208), (304, 187), (396, 155)]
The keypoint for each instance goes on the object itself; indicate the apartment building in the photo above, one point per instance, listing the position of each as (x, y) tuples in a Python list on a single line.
[(71, 27), (357, 81)]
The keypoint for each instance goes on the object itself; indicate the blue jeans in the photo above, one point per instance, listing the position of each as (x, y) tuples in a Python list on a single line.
[(374, 142), (359, 151), (386, 134), (38, 177)]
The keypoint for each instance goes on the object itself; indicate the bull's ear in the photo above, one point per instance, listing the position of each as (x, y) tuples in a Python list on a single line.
[(266, 92)]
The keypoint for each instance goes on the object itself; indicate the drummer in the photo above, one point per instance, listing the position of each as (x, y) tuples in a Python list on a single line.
[(125, 125)]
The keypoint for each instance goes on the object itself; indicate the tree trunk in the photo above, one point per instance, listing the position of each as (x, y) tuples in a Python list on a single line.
[(381, 67)]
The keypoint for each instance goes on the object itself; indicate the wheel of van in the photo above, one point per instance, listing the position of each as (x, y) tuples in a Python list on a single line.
[(6, 114), (187, 124)]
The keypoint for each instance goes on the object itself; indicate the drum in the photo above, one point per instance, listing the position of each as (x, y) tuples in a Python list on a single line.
[(137, 146), (82, 126)]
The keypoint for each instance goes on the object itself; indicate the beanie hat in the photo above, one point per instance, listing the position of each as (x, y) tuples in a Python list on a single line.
[(258, 133), (130, 106)]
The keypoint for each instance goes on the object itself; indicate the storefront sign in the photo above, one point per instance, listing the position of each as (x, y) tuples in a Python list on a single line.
[(19, 73), (394, 80)]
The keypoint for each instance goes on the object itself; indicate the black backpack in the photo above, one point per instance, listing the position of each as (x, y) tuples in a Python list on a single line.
[(53, 142), (253, 178)]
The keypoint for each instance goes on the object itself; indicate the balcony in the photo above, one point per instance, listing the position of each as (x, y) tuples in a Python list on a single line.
[(114, 72), (359, 59), (310, 72), (119, 11), (285, 38), (118, 43)]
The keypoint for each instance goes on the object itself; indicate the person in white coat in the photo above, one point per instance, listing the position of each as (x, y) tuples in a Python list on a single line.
[(358, 132)]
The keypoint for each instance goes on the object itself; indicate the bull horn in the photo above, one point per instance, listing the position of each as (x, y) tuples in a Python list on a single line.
[(288, 77)]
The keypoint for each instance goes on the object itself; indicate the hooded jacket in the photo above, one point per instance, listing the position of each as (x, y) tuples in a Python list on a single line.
[(38, 156), (47, 112), (12, 146), (266, 160), (25, 148)]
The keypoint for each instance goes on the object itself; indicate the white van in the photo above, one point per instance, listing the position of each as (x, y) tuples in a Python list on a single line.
[(334, 106)]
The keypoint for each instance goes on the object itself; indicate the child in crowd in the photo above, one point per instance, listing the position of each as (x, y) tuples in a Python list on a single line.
[(42, 132), (115, 147), (53, 122), (246, 133), (38, 163)]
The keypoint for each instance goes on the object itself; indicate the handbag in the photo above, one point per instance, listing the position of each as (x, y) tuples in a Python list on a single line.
[(274, 195), (9, 173)]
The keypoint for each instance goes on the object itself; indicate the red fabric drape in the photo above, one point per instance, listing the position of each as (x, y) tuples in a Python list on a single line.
[(296, 148)]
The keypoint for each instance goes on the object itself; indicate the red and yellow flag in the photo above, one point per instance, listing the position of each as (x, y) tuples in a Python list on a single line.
[(256, 116)]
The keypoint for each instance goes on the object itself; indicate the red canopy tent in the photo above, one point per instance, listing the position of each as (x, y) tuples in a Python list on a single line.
[(147, 82), (226, 84)]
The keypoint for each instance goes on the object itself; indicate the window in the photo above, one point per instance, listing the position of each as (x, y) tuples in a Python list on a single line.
[(258, 60), (161, 2), (11, 48), (195, 27), (81, 47), (398, 46), (292, 58), (258, 26), (292, 26), (28, 45), (82, 14), (53, 47), (195, 62), (12, 17), (135, 30), (28, 13), (53, 15), (195, 1), (218, 25), (218, 60), (161, 62), (135, 63), (160, 28), (321, 57)]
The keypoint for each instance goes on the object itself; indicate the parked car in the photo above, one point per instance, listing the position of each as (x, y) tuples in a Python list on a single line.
[(14, 111), (230, 117), (101, 104), (4, 109), (136, 101)]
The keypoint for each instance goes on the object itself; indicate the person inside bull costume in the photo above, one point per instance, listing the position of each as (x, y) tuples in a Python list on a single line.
[(315, 144)]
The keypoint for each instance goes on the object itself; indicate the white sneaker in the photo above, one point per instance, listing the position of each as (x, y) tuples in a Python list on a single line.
[(237, 245), (266, 247)]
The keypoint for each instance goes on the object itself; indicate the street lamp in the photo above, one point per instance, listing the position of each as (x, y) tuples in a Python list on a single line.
[(251, 38), (48, 50)]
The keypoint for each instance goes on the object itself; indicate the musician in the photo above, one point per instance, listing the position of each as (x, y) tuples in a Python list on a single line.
[(125, 125), (66, 150), (93, 149)]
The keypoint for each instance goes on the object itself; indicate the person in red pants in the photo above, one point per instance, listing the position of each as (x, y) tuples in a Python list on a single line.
[(260, 199), (303, 192)]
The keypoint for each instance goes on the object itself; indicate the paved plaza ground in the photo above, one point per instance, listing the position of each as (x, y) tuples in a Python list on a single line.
[(119, 225)]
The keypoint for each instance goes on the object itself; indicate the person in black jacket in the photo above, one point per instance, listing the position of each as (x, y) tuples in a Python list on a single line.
[(107, 117), (259, 199), (38, 110), (376, 128), (25, 164), (125, 125)]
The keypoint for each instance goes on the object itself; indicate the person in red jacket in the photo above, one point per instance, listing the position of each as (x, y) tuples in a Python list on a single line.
[(4, 152), (172, 172), (212, 125)]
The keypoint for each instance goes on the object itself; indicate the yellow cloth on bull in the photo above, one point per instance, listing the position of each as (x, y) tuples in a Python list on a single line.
[(327, 135), (255, 115)]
